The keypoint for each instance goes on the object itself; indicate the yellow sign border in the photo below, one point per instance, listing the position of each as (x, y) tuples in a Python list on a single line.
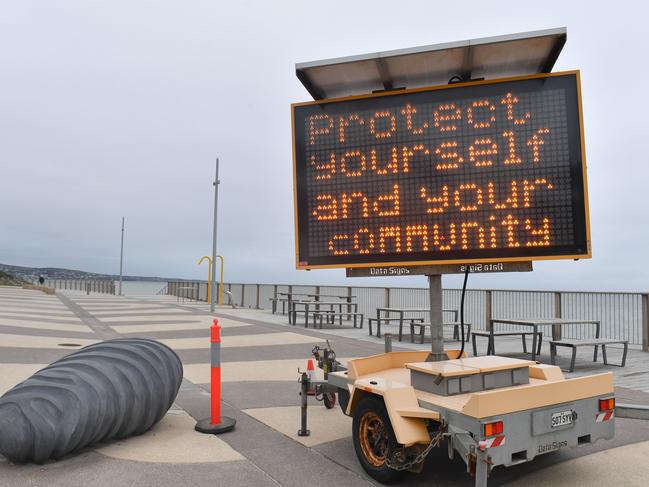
[(586, 255)]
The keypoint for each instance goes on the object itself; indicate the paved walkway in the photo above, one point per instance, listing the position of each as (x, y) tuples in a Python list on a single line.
[(260, 355)]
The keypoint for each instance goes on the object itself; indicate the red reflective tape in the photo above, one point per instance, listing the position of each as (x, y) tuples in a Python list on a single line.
[(491, 442), (215, 374), (215, 390), (607, 416)]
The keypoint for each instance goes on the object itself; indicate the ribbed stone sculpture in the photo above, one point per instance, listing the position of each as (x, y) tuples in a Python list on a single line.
[(109, 390)]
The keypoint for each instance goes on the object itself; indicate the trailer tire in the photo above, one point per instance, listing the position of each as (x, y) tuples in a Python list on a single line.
[(329, 399), (374, 439)]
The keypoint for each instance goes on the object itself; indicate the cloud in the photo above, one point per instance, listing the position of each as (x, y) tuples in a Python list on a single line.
[(120, 108)]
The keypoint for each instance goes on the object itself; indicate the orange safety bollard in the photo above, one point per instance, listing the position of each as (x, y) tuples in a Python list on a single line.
[(310, 372), (216, 423)]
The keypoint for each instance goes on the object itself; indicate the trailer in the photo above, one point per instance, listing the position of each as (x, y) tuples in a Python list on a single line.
[(491, 411), (464, 155)]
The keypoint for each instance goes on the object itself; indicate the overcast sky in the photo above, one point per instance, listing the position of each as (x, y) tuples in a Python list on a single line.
[(111, 108)]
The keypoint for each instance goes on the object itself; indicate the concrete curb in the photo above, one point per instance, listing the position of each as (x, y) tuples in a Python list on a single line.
[(632, 411)]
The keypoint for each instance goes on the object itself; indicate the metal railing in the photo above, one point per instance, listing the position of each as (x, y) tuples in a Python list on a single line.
[(100, 286), (623, 315)]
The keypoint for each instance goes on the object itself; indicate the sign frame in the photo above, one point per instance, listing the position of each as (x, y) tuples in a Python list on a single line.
[(586, 255), (401, 270)]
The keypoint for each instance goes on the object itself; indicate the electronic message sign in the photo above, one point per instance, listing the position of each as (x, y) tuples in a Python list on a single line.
[(485, 171)]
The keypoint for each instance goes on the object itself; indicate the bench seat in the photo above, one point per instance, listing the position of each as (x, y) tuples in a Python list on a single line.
[(491, 350), (587, 342), (423, 325), (330, 315), (386, 321)]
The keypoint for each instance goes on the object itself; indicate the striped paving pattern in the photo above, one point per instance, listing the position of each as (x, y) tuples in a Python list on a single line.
[(33, 322), (260, 358), (259, 370), (188, 331)]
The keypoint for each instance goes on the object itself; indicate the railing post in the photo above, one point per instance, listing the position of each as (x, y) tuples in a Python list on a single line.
[(487, 310), (556, 329), (243, 295), (645, 322), (349, 300), (257, 299)]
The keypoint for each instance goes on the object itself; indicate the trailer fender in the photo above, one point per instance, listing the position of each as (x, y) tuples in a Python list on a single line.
[(407, 417)]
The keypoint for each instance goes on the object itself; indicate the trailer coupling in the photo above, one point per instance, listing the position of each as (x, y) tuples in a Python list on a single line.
[(325, 357), (478, 462)]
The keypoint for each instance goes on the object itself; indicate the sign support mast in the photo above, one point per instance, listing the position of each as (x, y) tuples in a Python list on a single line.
[(436, 319), (121, 258), (216, 207)]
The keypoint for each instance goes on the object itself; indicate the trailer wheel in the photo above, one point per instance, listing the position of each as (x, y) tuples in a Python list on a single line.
[(329, 399), (374, 439)]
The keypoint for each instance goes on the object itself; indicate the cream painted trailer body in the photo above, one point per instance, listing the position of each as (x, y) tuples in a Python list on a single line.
[(490, 410)]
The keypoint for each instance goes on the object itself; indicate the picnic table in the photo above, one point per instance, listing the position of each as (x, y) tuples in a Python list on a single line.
[(401, 312), (289, 299), (316, 304), (535, 323)]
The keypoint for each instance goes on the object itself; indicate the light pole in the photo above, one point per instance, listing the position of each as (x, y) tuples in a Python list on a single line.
[(216, 206), (121, 259)]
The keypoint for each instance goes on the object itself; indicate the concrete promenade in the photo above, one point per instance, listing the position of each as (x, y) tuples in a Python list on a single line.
[(260, 356)]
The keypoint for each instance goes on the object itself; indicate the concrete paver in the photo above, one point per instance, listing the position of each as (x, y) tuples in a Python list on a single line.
[(325, 424), (272, 370), (31, 341), (601, 468), (158, 326), (266, 339), (41, 325), (12, 374), (260, 357), (172, 440)]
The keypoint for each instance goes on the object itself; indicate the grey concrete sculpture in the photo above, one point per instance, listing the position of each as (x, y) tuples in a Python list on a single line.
[(109, 390)]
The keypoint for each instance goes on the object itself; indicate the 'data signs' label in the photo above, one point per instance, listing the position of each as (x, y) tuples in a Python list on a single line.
[(488, 171)]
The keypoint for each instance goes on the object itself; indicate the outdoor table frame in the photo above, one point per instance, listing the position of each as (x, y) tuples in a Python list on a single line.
[(307, 304), (316, 296), (289, 296), (401, 312), (535, 323)]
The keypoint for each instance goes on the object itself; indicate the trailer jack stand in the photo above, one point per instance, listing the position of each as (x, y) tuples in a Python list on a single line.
[(479, 466), (304, 389)]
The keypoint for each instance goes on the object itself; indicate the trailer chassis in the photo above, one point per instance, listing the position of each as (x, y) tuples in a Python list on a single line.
[(526, 434)]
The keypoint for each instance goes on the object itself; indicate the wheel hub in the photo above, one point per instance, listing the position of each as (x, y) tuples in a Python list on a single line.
[(373, 438)]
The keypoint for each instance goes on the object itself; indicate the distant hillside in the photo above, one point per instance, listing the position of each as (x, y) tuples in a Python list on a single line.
[(32, 273), (7, 279)]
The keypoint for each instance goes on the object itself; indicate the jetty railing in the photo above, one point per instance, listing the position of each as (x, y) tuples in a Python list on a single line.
[(100, 286), (622, 315)]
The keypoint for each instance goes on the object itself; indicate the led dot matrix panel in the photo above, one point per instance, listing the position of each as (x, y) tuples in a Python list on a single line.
[(491, 170)]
